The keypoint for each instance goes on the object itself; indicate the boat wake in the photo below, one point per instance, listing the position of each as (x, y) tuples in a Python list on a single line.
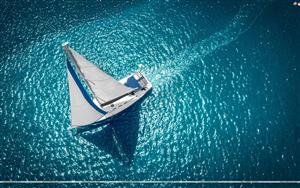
[(241, 23)]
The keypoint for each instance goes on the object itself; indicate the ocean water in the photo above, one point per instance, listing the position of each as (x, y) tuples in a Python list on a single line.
[(225, 99)]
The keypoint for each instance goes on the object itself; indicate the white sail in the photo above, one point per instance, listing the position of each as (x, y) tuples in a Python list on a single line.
[(83, 110), (104, 87)]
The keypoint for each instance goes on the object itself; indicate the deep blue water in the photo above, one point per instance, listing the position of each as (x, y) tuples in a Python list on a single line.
[(225, 99)]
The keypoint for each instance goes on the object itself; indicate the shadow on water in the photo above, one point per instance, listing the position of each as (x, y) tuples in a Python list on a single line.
[(119, 137)]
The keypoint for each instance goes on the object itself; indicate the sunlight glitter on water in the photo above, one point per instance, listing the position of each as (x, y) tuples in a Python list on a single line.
[(212, 113)]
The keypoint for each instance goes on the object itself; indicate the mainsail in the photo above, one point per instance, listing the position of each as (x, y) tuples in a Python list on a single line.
[(83, 110), (104, 87)]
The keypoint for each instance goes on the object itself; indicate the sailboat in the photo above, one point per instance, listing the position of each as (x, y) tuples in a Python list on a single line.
[(107, 98)]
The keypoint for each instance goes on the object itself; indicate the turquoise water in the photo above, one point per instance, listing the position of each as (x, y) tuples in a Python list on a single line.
[(225, 99)]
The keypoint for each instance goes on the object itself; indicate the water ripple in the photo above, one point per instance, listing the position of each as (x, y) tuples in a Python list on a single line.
[(198, 123)]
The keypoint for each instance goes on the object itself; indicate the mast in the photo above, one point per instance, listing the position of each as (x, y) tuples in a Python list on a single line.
[(69, 53)]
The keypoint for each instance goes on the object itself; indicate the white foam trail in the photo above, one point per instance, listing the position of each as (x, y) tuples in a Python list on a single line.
[(241, 22)]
